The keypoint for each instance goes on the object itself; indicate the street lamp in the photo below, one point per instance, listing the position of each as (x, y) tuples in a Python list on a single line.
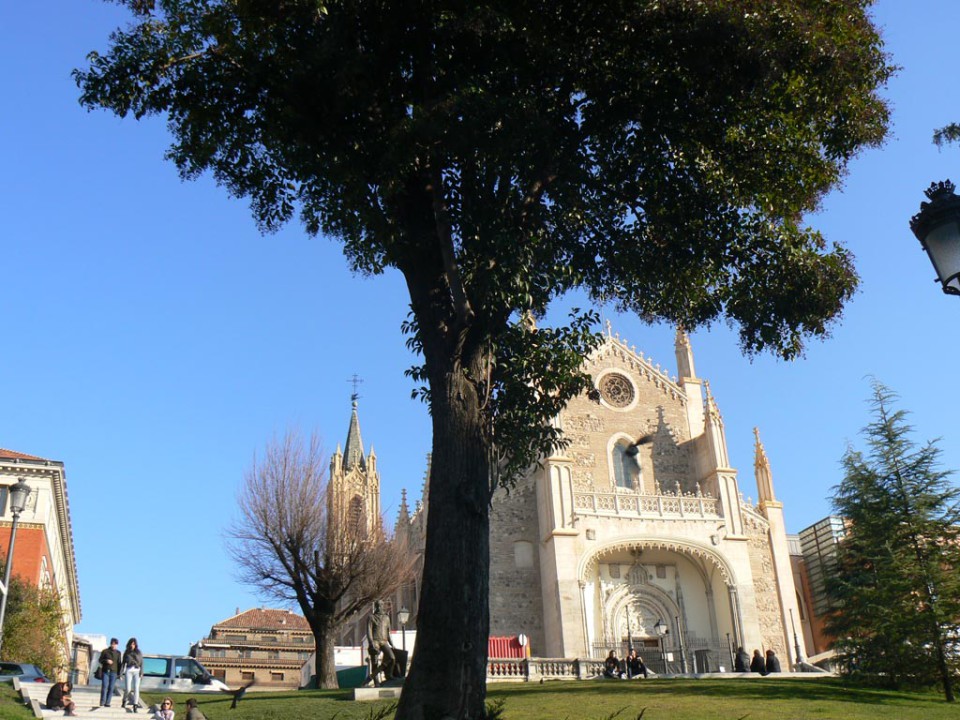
[(796, 640), (403, 616), (683, 658), (937, 227), (661, 629), (18, 501)]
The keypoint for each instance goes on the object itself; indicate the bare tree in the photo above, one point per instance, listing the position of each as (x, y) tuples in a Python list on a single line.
[(294, 542)]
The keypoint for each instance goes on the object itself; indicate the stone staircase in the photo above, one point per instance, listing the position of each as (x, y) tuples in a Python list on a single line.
[(87, 698)]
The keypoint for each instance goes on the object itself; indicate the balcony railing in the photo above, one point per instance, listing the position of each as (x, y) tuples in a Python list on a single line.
[(630, 505)]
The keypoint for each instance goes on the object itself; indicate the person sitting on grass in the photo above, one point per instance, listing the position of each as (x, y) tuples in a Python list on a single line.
[(611, 666), (636, 665), (59, 699), (193, 712), (773, 662), (165, 711)]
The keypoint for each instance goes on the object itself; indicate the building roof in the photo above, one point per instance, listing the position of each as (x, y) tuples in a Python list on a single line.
[(266, 619), (14, 455)]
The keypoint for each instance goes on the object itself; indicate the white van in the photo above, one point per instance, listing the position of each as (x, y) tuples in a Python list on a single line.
[(171, 673)]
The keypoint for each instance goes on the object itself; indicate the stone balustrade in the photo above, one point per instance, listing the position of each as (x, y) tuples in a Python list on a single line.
[(630, 505), (539, 669)]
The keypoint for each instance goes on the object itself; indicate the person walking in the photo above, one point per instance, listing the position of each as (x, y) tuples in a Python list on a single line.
[(110, 660), (132, 668), (757, 665), (741, 661), (773, 662)]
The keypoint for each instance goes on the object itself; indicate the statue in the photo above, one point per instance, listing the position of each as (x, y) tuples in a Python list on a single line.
[(378, 641)]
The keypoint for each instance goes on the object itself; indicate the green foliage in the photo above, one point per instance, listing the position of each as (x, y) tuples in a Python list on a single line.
[(658, 153), (947, 134), (896, 588), (33, 629)]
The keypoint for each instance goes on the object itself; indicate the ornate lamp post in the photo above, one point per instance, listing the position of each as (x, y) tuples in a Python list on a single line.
[(661, 629), (683, 658), (937, 227), (403, 616), (796, 640), (18, 501)]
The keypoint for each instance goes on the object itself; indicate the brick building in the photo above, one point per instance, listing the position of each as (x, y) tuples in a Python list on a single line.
[(263, 645), (43, 553)]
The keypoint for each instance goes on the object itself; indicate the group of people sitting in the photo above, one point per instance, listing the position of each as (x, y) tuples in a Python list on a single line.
[(758, 664), (59, 699), (632, 666)]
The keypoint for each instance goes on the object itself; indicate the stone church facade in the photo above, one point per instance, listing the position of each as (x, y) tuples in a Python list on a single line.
[(640, 521), (637, 525)]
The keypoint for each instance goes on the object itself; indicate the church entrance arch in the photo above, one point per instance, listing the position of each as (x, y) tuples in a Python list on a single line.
[(629, 585)]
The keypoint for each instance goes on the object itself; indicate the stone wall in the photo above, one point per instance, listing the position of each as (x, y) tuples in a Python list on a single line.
[(765, 586), (516, 604)]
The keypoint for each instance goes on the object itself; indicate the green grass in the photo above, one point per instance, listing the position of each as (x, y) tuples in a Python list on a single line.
[(755, 699)]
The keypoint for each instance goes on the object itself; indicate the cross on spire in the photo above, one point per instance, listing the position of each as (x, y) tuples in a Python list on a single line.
[(356, 381)]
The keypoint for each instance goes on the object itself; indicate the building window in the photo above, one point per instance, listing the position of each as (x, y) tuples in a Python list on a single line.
[(4, 494), (273, 654), (617, 390), (247, 675), (626, 470), (276, 676), (269, 638)]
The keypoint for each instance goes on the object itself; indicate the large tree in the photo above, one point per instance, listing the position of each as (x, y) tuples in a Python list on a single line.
[(896, 585), (660, 154), (295, 540)]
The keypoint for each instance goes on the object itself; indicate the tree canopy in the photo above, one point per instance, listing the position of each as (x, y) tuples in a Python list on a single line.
[(896, 586), (33, 629), (658, 154)]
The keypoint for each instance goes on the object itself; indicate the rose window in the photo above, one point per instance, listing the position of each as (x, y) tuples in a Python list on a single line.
[(616, 390)]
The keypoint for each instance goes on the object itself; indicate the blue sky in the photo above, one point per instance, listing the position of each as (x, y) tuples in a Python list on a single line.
[(153, 340)]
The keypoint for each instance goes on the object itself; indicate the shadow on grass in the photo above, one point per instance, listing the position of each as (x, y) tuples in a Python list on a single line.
[(767, 689)]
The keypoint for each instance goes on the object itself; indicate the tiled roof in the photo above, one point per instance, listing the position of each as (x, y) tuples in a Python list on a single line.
[(14, 455), (266, 619)]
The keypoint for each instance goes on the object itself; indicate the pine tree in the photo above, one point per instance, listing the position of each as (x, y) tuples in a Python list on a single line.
[(897, 586)]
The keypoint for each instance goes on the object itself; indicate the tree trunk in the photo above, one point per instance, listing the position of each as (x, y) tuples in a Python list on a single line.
[(323, 636), (448, 674)]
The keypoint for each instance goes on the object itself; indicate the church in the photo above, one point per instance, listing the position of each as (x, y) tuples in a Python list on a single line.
[(636, 534)]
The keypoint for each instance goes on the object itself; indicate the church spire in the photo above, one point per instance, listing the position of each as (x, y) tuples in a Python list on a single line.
[(684, 352), (761, 470), (353, 448)]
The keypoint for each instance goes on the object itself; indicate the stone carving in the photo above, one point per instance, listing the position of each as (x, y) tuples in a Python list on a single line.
[(582, 479), (583, 423)]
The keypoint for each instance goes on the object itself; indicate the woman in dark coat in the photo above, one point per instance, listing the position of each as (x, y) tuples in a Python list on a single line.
[(59, 699), (757, 665), (773, 663), (741, 660)]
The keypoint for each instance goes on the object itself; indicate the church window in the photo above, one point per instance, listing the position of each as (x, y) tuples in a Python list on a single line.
[(617, 390), (356, 514), (626, 471)]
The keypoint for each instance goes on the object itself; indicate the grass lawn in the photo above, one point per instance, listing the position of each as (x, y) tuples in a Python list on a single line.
[(755, 699)]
